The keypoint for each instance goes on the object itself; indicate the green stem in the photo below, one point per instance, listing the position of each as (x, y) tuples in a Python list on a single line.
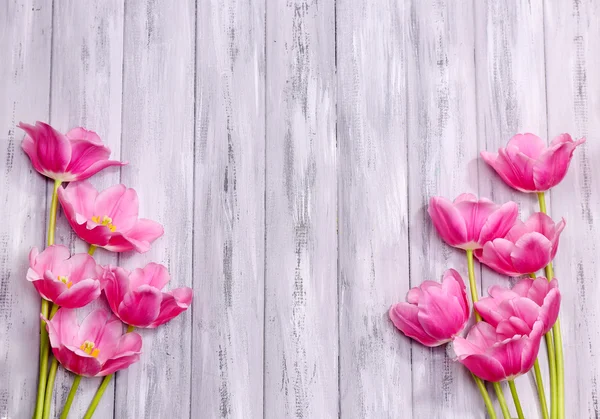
[(130, 328), (39, 405), (92, 249), (501, 401), (515, 396), (69, 402), (540, 389), (44, 310), (97, 397), (472, 283), (558, 346), (53, 210), (552, 372), (49, 388), (485, 396)]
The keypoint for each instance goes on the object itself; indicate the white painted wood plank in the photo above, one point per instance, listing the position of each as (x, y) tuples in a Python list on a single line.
[(301, 326), (25, 29), (572, 30), (375, 369), (511, 98), (87, 62), (227, 363), (158, 141), (442, 153)]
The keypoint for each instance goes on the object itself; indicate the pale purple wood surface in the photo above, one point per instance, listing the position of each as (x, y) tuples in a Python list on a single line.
[(290, 147)]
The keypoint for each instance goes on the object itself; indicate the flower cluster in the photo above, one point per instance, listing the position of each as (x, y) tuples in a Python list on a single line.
[(510, 324), (98, 346)]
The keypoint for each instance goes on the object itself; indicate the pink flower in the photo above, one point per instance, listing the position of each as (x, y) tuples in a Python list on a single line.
[(95, 348), (468, 223), (434, 313), (497, 353), (529, 301), (75, 156), (526, 248), (527, 165), (136, 298), (108, 219), (67, 282)]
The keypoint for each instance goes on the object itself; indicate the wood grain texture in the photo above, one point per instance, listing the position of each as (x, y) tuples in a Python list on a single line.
[(375, 369), (572, 59), (158, 142), (511, 98), (87, 62), (290, 149), (227, 363), (301, 339), (442, 161), (25, 28)]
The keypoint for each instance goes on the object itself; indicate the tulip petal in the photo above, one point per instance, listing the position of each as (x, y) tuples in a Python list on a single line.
[(80, 294), (86, 366), (448, 221), (496, 254), (142, 234), (488, 309), (521, 167), (550, 308), (503, 168), (173, 303), (83, 266), (98, 166), (126, 351), (499, 222), (120, 204), (153, 274), (405, 318), (52, 259), (62, 329), (83, 134), (531, 253), (141, 307), (53, 150), (552, 165), (93, 325), (49, 287), (529, 144), (441, 316), (78, 198), (115, 283), (485, 367)]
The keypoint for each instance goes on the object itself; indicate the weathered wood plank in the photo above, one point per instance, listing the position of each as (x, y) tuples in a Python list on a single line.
[(227, 363), (158, 142), (25, 33), (572, 30), (375, 360), (511, 98), (442, 153), (87, 62), (301, 326)]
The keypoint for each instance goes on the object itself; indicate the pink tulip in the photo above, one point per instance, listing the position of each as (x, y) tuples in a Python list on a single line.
[(527, 165), (136, 298), (434, 313), (108, 219), (526, 248), (95, 348), (75, 156), (468, 223), (496, 353), (529, 301), (69, 282)]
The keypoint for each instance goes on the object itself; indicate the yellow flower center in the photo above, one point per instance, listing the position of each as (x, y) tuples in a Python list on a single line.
[(65, 280), (105, 221), (88, 348)]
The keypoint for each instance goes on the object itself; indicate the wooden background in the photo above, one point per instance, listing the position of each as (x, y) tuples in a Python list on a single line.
[(289, 147)]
